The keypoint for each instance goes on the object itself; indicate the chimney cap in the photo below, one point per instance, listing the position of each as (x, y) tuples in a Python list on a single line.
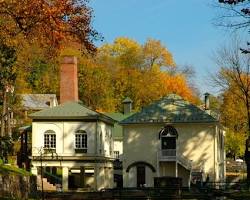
[(69, 60), (127, 100)]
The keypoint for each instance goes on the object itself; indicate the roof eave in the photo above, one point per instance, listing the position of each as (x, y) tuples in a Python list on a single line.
[(105, 119), (170, 122)]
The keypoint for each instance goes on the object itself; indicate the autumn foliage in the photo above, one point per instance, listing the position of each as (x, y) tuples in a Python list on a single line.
[(127, 68), (50, 23)]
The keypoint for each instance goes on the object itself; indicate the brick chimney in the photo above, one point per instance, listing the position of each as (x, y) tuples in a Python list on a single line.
[(68, 79)]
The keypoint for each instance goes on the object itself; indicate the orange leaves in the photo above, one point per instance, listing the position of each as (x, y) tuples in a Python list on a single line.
[(177, 84), (50, 22)]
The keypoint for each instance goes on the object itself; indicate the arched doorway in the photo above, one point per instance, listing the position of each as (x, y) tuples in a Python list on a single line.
[(141, 171)]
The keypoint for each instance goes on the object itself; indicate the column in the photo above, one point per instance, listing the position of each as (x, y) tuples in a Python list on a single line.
[(82, 177), (65, 177), (176, 169), (96, 175), (111, 172), (34, 171), (157, 166)]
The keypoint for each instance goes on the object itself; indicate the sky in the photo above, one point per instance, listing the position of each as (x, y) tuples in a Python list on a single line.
[(185, 27)]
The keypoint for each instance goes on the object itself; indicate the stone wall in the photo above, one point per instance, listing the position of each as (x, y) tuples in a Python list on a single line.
[(17, 186)]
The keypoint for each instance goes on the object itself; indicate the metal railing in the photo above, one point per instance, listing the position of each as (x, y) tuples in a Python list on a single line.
[(167, 154), (184, 161), (173, 155)]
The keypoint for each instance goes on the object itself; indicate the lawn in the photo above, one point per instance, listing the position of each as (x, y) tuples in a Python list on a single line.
[(11, 169)]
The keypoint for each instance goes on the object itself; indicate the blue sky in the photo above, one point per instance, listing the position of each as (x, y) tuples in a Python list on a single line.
[(184, 26)]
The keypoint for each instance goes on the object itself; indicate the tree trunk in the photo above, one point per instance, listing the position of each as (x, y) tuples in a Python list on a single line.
[(247, 150), (8, 122), (3, 114)]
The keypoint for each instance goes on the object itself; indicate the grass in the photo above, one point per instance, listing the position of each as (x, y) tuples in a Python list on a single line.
[(6, 169)]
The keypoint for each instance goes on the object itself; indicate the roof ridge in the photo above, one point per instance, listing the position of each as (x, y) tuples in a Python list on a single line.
[(170, 108)]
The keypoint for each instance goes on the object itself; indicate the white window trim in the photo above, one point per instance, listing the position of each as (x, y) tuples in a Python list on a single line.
[(49, 132), (79, 133)]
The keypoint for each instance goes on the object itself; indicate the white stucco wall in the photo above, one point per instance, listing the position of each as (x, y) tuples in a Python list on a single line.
[(97, 148), (65, 137), (196, 142), (118, 146)]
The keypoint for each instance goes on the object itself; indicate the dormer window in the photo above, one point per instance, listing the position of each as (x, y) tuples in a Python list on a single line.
[(81, 141), (50, 139)]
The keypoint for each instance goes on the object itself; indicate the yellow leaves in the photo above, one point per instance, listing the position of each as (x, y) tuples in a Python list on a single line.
[(130, 69), (156, 54), (128, 53)]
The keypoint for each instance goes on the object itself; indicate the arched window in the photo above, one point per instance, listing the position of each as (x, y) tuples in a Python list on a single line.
[(168, 131), (50, 139), (81, 139), (168, 136)]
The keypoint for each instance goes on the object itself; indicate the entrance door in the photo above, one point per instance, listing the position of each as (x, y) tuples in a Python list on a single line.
[(168, 143), (141, 176)]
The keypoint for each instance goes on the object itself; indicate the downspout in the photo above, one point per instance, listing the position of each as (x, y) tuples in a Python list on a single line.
[(96, 151), (215, 137)]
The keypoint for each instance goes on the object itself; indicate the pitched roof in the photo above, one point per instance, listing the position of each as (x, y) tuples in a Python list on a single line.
[(170, 109), (127, 100), (37, 101), (70, 110), (118, 117)]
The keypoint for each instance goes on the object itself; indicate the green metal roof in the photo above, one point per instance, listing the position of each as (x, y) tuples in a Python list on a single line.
[(70, 110), (118, 117), (170, 109)]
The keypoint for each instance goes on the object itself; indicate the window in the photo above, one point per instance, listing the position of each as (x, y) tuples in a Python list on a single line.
[(50, 139), (117, 154), (81, 140)]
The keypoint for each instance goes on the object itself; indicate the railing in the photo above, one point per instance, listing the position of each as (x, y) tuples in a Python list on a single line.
[(184, 161), (172, 155), (54, 179), (167, 154)]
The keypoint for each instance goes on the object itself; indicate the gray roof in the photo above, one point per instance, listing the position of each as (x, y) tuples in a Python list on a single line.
[(118, 117), (170, 109), (70, 110), (37, 101)]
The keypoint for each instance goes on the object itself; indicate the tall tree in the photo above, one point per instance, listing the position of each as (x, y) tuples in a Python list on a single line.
[(234, 77), (233, 116), (7, 79), (156, 54)]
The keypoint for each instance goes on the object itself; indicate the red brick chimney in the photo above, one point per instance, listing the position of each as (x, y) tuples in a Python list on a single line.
[(68, 79)]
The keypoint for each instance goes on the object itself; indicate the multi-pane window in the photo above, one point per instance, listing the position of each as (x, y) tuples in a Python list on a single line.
[(81, 140), (117, 154), (50, 139)]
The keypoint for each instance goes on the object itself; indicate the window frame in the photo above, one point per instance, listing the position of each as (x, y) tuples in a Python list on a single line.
[(49, 140), (83, 146)]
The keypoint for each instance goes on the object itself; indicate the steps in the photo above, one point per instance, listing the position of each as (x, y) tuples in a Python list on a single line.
[(47, 186), (184, 162)]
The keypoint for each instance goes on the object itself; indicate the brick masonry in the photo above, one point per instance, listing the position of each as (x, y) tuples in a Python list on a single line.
[(68, 80)]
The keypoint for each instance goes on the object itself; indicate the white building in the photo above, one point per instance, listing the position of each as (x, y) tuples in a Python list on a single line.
[(73, 139), (172, 138)]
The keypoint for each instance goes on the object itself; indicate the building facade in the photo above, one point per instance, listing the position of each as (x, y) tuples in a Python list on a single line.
[(71, 141), (80, 144), (172, 138)]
